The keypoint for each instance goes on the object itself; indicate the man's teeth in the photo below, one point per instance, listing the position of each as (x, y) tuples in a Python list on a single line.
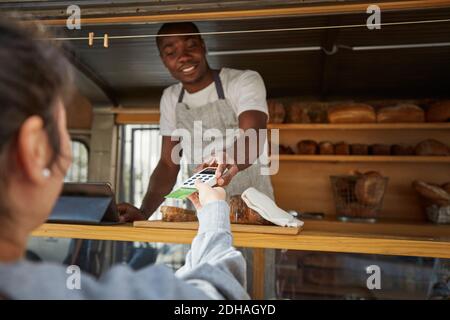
[(188, 69)]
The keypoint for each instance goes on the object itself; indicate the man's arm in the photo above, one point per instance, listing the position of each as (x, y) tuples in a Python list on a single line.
[(162, 179), (251, 119)]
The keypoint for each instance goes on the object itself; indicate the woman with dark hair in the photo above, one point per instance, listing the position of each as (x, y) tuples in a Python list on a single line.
[(34, 157)]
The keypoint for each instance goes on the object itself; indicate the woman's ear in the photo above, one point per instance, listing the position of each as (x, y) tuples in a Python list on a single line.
[(33, 150)]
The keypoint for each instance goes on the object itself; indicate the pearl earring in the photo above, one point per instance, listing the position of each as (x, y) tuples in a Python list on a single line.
[(46, 173)]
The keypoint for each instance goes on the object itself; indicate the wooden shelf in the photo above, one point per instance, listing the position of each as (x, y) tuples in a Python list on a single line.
[(386, 238), (323, 158), (360, 126)]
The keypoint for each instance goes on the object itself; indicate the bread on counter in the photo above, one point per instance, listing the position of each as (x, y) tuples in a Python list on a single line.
[(277, 111), (439, 112), (432, 147), (351, 113), (242, 214), (239, 213), (401, 113), (175, 214), (307, 147)]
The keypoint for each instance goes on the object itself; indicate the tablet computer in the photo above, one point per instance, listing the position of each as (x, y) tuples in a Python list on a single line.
[(86, 203)]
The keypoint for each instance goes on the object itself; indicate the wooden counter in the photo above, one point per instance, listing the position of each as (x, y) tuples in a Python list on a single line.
[(386, 238)]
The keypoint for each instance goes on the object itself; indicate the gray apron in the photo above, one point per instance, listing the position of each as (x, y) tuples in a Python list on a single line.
[(219, 115)]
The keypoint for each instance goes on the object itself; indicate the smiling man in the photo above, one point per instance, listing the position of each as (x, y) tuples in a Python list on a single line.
[(221, 99)]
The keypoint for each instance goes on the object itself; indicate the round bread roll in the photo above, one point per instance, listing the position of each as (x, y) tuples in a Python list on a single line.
[(285, 149), (402, 150), (351, 113), (433, 193), (380, 149), (359, 149), (439, 112), (297, 113), (326, 148), (369, 188), (342, 148), (401, 113), (277, 112), (242, 214), (432, 147), (175, 214), (307, 147)]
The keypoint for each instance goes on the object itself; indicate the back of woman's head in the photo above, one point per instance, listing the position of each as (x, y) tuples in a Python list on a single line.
[(33, 76)]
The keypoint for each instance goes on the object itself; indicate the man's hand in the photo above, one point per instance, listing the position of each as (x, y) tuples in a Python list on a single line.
[(226, 168), (129, 213), (206, 194)]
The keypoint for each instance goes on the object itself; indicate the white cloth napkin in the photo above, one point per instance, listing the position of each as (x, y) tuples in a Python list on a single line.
[(267, 208)]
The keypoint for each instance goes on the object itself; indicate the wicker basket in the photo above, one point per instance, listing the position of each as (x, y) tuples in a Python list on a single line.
[(347, 205)]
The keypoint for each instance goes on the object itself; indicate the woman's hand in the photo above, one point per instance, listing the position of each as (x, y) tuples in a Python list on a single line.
[(206, 194)]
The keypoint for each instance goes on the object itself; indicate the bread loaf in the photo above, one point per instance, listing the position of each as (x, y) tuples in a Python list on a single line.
[(326, 148), (297, 113), (242, 214), (433, 193), (432, 147), (359, 149), (175, 214), (307, 147), (369, 188), (277, 112), (439, 112), (401, 113), (285, 149), (380, 149), (342, 148), (351, 113), (402, 150)]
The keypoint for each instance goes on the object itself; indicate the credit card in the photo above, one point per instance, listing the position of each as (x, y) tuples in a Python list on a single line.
[(181, 193)]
